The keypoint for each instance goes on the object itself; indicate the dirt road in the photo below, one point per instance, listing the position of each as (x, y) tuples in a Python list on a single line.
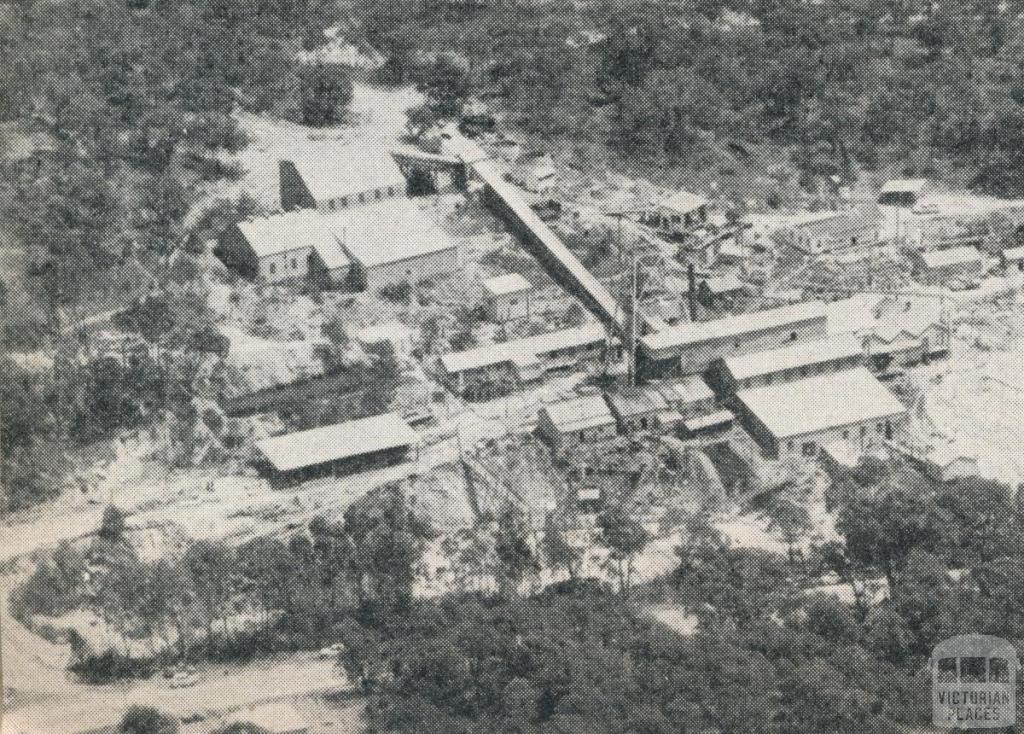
[(74, 707)]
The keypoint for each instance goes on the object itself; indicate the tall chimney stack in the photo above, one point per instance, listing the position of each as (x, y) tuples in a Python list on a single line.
[(691, 277)]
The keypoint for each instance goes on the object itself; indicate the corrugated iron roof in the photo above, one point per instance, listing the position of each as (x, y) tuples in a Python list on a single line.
[(387, 232), (368, 168), (501, 285), (697, 333), (952, 256), (494, 354), (339, 441), (579, 413), (821, 402), (833, 348)]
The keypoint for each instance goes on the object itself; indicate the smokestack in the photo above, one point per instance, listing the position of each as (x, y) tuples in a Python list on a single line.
[(691, 278)]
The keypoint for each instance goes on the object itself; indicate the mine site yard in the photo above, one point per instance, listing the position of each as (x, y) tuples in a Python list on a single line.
[(407, 365)]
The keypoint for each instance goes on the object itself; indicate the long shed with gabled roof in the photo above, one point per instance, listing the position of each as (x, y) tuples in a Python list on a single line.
[(338, 185), (851, 409), (342, 448)]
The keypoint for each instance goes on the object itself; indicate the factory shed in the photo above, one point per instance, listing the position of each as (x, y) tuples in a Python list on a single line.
[(851, 409), (834, 353), (343, 448), (691, 347), (571, 424)]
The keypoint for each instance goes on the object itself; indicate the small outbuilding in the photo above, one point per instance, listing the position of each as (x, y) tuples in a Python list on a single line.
[(677, 214), (695, 403), (343, 448), (642, 409), (1012, 258), (904, 192), (572, 424), (507, 297), (394, 334), (535, 172)]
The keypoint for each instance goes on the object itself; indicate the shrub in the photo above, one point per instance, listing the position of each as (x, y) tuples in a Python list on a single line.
[(111, 666)]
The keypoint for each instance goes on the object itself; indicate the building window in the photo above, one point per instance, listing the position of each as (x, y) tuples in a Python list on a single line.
[(272, 268), (768, 379), (792, 336), (643, 423), (513, 302), (295, 264), (879, 428), (736, 344), (863, 431), (362, 199), (330, 205), (391, 190), (809, 448), (377, 192), (583, 437), (803, 371), (846, 434), (344, 201), (789, 445)]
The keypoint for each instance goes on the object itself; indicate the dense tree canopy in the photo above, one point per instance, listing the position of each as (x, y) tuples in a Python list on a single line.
[(836, 85)]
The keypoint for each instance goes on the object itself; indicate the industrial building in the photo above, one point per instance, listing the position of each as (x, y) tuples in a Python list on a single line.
[(507, 297), (903, 193), (694, 401), (331, 186), (643, 408), (805, 359), (851, 410), (1012, 258), (677, 214), (535, 172), (284, 247), (524, 360), (835, 232), (940, 267), (399, 243), (343, 448), (690, 348), (572, 424)]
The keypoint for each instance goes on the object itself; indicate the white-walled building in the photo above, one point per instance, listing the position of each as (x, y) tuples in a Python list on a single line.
[(507, 297), (572, 424), (399, 337), (849, 409), (290, 246), (535, 172), (938, 267), (339, 185), (398, 243), (525, 360), (775, 366), (677, 214), (691, 347)]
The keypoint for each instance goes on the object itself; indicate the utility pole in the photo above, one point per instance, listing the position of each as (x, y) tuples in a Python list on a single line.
[(634, 276)]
